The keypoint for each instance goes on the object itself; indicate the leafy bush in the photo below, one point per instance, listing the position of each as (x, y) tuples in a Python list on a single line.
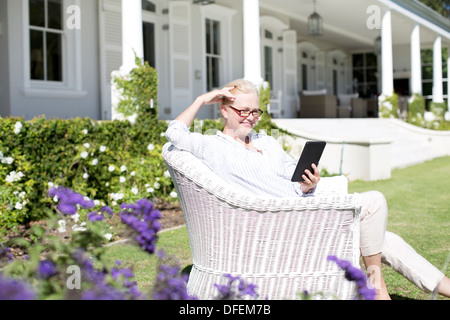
[(108, 160), (416, 109), (138, 90), (389, 106)]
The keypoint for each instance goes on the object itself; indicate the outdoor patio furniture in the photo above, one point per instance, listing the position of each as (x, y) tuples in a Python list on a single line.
[(319, 105), (279, 244), (351, 106)]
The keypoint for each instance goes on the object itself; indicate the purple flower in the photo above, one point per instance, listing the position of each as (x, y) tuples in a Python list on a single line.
[(101, 287), (69, 199), (5, 252), (95, 216), (143, 219), (126, 275), (47, 269), (171, 284), (356, 275), (235, 289), (12, 289)]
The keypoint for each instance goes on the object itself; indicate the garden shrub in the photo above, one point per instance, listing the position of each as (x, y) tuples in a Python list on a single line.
[(107, 161), (388, 106), (416, 109)]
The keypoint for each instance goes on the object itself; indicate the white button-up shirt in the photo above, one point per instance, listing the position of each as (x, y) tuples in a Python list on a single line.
[(264, 173)]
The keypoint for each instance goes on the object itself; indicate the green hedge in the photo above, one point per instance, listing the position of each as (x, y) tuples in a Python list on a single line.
[(98, 159)]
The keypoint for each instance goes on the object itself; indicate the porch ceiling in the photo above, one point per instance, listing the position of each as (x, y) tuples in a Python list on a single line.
[(345, 22)]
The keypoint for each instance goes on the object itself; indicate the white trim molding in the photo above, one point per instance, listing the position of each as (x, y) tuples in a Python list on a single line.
[(71, 86)]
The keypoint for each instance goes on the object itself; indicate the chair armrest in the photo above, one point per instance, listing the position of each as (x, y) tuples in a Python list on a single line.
[(332, 186)]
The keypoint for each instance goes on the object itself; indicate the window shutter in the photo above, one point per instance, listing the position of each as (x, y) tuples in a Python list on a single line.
[(110, 29), (291, 100), (180, 55)]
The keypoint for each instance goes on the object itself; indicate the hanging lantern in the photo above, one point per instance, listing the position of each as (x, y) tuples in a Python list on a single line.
[(315, 23)]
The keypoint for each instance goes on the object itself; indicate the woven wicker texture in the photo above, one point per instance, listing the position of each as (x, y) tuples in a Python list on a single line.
[(279, 244)]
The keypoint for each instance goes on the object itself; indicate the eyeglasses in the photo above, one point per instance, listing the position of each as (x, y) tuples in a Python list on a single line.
[(245, 113)]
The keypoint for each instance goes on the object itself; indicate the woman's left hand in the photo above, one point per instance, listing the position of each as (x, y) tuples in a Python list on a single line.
[(310, 179)]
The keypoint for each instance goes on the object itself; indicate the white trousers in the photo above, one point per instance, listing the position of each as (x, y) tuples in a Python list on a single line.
[(395, 252)]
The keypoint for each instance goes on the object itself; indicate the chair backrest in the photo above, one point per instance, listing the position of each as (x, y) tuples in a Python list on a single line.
[(279, 244)]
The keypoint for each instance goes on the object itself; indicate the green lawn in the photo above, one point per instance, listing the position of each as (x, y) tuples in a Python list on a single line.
[(419, 212)]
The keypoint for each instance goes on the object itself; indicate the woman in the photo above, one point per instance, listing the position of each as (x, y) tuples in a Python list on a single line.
[(256, 163)]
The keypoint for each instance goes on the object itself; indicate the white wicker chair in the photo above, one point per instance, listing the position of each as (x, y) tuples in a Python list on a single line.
[(280, 245)]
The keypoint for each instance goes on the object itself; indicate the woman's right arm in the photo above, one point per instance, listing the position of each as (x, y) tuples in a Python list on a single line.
[(178, 132), (216, 96)]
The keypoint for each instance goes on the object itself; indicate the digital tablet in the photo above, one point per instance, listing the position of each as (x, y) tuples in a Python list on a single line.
[(311, 154)]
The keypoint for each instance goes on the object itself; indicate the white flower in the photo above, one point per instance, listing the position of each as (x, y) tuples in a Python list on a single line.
[(75, 227), (97, 202), (135, 190), (122, 179), (150, 190), (85, 131), (22, 194), (156, 185), (84, 154), (50, 184), (18, 127), (62, 226), (163, 134), (166, 174), (102, 149), (173, 194), (14, 176), (94, 162), (108, 236), (1, 155), (18, 206), (87, 145), (123, 168), (150, 147), (111, 168), (85, 175), (76, 217), (7, 160), (55, 199), (133, 173), (116, 196)]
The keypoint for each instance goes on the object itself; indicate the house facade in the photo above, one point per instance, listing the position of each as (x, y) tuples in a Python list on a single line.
[(57, 57)]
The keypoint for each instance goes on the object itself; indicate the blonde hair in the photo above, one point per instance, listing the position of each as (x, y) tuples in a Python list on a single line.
[(241, 86)]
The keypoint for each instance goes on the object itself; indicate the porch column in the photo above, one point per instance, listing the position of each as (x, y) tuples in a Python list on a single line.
[(252, 42), (132, 34), (387, 69), (132, 46), (438, 95), (416, 63)]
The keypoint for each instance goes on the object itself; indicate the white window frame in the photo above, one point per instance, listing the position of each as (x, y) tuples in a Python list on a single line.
[(223, 15), (71, 86)]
